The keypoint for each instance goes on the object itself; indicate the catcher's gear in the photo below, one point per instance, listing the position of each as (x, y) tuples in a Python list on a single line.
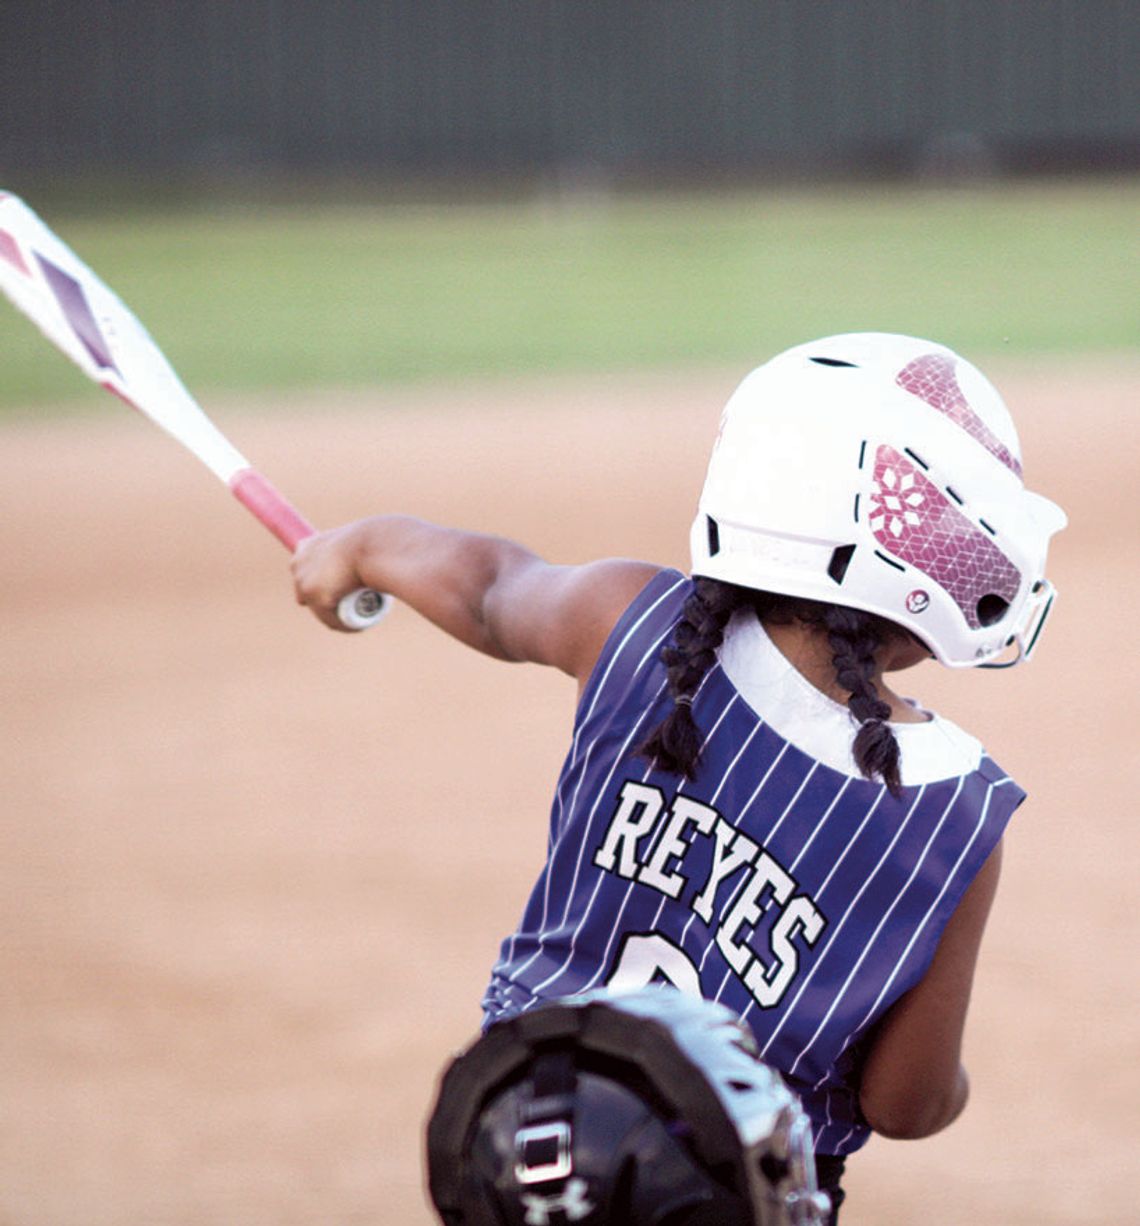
[(643, 1109), (881, 472)]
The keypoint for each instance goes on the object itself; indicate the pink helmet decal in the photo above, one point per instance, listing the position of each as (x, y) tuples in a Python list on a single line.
[(931, 378), (914, 520)]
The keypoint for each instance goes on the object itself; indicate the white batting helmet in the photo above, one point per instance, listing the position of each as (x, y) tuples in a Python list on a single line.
[(881, 472)]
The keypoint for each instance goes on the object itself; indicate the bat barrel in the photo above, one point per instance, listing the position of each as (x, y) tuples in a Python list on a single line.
[(89, 323)]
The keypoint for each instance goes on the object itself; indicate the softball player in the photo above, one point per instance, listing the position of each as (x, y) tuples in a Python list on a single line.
[(748, 810)]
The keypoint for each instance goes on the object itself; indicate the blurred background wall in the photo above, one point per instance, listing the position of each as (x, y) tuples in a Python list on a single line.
[(619, 90)]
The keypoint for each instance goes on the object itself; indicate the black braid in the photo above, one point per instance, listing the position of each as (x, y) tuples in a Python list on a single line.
[(675, 744), (855, 638)]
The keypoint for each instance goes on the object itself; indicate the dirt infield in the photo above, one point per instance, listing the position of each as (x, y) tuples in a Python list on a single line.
[(254, 873)]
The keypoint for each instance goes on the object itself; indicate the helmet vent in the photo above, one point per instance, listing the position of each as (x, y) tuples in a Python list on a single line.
[(987, 527), (916, 458), (714, 536), (889, 561), (840, 560), (991, 609), (833, 362)]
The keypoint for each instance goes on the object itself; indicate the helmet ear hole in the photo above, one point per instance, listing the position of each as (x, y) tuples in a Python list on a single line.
[(991, 609), (840, 560), (714, 536)]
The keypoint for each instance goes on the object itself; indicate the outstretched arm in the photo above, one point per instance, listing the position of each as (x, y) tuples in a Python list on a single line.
[(488, 592), (913, 1082)]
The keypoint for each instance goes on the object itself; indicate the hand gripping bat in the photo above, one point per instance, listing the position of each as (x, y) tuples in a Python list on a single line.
[(89, 323)]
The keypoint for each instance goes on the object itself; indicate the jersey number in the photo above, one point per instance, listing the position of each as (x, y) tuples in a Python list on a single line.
[(650, 958)]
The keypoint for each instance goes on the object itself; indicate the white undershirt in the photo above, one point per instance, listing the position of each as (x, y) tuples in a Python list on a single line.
[(821, 727)]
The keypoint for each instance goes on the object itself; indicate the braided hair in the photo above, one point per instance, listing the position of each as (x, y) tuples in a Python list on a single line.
[(853, 636), (675, 744)]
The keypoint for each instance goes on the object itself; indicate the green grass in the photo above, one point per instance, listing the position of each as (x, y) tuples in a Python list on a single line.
[(324, 295)]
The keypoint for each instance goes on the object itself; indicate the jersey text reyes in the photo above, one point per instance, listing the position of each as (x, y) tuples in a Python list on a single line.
[(761, 924)]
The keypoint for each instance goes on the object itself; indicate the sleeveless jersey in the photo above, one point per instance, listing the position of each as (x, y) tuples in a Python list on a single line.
[(778, 882)]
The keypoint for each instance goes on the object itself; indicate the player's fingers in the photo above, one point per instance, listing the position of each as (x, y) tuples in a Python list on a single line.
[(321, 578), (332, 620), (325, 611)]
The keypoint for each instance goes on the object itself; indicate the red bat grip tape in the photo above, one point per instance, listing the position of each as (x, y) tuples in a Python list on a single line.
[(260, 498)]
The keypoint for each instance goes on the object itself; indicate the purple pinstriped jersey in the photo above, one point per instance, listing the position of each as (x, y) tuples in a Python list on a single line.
[(805, 898)]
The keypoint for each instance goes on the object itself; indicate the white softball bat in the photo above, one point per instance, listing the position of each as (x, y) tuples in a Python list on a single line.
[(89, 323)]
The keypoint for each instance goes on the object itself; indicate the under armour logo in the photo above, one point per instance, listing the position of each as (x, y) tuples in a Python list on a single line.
[(570, 1201)]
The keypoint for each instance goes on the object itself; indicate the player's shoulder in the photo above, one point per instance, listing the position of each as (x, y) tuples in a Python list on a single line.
[(644, 601), (649, 599), (600, 597)]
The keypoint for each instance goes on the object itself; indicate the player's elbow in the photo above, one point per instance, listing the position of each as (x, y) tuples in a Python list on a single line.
[(908, 1125), (917, 1112)]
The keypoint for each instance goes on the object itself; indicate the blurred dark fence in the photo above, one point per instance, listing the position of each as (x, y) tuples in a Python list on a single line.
[(616, 87)]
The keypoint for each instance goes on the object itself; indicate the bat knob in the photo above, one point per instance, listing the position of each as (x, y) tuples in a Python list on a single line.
[(362, 608)]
